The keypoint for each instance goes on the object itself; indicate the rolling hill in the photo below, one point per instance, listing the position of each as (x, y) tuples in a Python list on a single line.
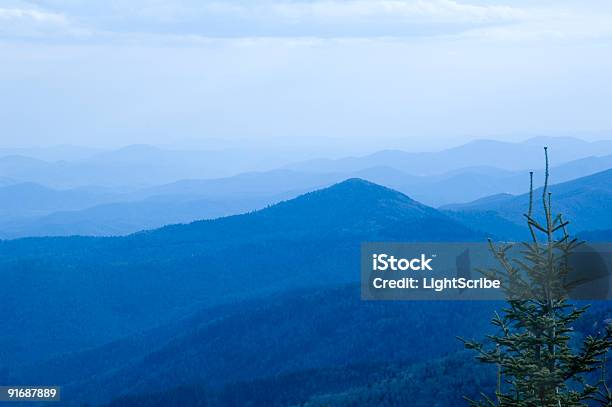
[(75, 292), (586, 202), (65, 213), (125, 217), (29, 200)]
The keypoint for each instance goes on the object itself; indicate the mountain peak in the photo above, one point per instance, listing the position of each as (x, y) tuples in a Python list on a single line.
[(361, 185), (353, 207), (353, 193), (357, 206)]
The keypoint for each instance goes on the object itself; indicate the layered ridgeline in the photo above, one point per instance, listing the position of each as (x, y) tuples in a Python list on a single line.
[(28, 209), (145, 165), (95, 193), (586, 202), (489, 153), (258, 309), (64, 294)]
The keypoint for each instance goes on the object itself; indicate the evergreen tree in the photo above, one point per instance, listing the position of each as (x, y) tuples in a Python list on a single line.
[(536, 362)]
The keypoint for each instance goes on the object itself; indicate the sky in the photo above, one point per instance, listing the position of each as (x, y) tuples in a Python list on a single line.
[(325, 75)]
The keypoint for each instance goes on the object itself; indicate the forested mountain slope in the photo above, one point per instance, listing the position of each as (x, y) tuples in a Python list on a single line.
[(70, 293)]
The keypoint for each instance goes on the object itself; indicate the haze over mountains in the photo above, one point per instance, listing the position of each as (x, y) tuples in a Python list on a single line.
[(489, 153), (131, 166), (143, 165), (100, 193), (188, 189)]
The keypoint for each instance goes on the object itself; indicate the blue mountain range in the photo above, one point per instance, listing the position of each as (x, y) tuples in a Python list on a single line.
[(261, 307)]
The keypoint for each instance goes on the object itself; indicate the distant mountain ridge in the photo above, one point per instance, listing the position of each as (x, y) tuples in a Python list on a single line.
[(586, 202), (133, 166), (121, 211), (28, 200), (145, 165), (503, 155)]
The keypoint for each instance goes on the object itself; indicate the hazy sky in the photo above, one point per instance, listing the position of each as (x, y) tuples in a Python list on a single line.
[(356, 73)]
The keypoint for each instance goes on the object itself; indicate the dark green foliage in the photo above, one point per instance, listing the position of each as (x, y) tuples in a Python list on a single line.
[(532, 350)]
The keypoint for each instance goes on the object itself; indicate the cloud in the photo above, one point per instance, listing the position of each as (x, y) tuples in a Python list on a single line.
[(239, 18), (440, 11), (32, 23), (14, 14), (563, 25), (167, 10), (342, 11), (117, 20)]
